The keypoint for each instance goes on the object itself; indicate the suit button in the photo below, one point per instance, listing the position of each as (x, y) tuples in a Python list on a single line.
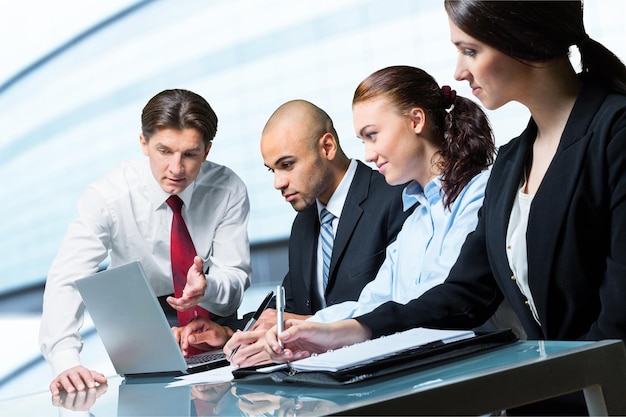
[(513, 278), (308, 303), (526, 302)]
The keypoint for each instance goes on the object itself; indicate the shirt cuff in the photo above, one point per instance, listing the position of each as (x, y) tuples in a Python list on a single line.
[(64, 360)]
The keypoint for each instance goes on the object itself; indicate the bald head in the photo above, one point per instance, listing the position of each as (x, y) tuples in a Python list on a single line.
[(304, 117)]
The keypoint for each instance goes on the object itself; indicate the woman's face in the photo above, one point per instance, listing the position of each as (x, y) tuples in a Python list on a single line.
[(389, 138), (494, 77)]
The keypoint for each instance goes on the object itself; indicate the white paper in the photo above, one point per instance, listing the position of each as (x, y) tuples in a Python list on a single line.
[(376, 349), (268, 369), (212, 376)]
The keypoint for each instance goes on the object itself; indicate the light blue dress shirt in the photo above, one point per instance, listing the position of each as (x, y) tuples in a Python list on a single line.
[(424, 250)]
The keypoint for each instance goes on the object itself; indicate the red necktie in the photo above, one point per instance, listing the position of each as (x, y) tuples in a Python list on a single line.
[(182, 253)]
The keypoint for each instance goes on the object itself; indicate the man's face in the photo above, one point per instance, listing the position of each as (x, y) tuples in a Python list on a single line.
[(300, 170), (175, 157)]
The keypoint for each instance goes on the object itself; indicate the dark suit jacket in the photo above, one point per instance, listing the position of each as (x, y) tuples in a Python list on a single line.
[(371, 218), (576, 238)]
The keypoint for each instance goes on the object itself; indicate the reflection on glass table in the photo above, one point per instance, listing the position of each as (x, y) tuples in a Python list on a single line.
[(523, 371)]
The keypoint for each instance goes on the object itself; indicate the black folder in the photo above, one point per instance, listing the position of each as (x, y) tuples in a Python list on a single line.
[(421, 357)]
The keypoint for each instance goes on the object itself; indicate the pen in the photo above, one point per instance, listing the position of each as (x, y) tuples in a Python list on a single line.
[(280, 310), (254, 318)]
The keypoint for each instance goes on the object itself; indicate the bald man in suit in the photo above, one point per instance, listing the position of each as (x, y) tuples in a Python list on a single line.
[(301, 147)]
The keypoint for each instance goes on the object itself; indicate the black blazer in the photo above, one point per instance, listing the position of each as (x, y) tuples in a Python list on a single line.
[(370, 219), (576, 238)]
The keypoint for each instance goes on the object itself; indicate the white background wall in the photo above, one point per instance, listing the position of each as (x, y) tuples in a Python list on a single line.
[(71, 119)]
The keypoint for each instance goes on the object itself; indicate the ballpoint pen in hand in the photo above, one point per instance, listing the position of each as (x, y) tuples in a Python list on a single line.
[(280, 313), (254, 318)]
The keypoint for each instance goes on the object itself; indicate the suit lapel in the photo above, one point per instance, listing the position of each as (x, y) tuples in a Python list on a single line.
[(550, 205), (504, 185), (308, 257), (511, 178), (503, 188), (350, 214)]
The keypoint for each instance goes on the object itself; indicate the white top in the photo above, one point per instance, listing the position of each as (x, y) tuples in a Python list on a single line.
[(516, 246), (124, 216), (335, 206)]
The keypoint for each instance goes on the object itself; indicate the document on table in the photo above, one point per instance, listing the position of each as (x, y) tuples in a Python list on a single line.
[(212, 376), (377, 349)]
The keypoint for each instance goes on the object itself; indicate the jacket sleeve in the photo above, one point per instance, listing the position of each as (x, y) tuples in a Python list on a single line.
[(611, 321)]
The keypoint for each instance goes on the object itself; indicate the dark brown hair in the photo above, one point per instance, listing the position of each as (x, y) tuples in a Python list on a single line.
[(538, 31), (179, 109), (458, 124)]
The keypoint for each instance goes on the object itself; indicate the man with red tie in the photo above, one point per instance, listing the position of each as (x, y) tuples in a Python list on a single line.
[(183, 217)]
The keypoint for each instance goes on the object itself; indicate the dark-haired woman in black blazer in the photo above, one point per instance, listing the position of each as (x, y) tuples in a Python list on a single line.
[(551, 237)]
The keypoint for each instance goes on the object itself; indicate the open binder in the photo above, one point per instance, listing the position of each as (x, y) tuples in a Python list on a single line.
[(401, 360)]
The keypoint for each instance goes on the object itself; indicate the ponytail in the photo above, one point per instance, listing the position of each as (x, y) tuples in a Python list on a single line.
[(468, 147), (601, 65)]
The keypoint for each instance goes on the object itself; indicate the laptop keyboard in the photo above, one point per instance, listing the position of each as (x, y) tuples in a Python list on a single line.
[(205, 357)]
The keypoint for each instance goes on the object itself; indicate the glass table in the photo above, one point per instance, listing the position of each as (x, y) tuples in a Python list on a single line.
[(516, 374)]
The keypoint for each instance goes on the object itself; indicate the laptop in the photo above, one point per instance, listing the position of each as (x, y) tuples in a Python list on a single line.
[(133, 326)]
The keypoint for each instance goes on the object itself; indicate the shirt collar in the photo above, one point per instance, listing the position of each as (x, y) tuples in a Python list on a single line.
[(156, 194), (414, 193)]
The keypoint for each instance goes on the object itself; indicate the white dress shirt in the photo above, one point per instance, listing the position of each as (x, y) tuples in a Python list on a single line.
[(516, 246), (424, 250), (124, 217)]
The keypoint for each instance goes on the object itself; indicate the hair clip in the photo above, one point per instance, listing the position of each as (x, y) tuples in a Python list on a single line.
[(449, 95)]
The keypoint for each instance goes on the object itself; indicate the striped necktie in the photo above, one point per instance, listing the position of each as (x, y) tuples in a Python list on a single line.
[(327, 237)]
